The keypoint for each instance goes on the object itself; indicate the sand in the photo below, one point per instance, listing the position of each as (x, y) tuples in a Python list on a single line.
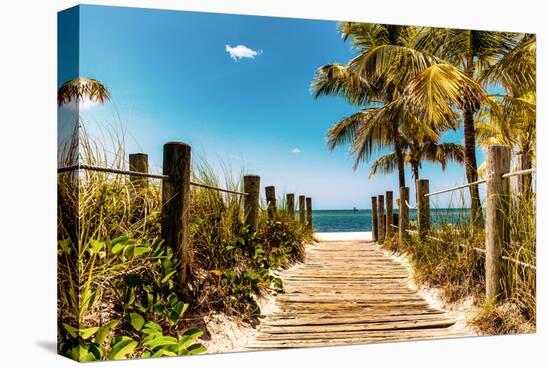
[(463, 312), (344, 236)]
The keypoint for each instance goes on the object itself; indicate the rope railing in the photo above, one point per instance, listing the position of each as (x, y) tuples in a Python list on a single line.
[(521, 263), (218, 189), (477, 249), (87, 167), (455, 188), (410, 206), (478, 182), (519, 173)]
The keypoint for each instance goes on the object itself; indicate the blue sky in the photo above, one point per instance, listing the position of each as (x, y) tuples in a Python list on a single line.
[(172, 79)]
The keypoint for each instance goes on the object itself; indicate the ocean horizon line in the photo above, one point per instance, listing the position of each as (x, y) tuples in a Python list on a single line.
[(395, 208)]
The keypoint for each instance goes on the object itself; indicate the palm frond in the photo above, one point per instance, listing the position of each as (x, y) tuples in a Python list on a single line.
[(516, 70), (435, 94), (364, 36), (339, 80), (395, 65), (80, 88), (448, 152), (489, 134), (345, 130), (485, 47), (373, 133), (385, 165)]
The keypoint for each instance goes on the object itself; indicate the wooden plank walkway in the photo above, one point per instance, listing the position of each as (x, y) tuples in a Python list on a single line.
[(349, 292)]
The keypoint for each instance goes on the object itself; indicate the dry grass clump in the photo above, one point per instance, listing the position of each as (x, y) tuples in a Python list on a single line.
[(506, 318)]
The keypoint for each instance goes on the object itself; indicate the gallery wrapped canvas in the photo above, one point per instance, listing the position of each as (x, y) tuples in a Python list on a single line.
[(240, 183)]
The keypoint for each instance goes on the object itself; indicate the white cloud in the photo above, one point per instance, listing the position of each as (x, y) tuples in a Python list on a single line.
[(296, 151), (240, 51)]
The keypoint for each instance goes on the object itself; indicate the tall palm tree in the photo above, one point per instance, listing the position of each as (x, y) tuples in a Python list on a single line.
[(378, 120), (474, 53)]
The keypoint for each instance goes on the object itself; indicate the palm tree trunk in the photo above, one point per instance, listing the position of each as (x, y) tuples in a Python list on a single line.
[(416, 171), (471, 166), (525, 181), (415, 166), (399, 155), (470, 159)]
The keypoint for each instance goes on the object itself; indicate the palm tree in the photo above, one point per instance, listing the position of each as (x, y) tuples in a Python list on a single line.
[(436, 75), (80, 88), (516, 72), (474, 53), (378, 121), (372, 128), (416, 153), (74, 91), (514, 125)]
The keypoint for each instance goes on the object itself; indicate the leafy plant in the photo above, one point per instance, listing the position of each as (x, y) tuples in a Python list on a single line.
[(148, 340)]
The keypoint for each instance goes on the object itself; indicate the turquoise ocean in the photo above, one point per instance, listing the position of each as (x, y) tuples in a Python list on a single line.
[(361, 220)]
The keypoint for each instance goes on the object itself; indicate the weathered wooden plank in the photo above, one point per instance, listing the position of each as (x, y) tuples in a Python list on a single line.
[(346, 319), (366, 326), (299, 342)]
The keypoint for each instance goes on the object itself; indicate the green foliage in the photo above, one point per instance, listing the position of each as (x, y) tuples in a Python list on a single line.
[(147, 339)]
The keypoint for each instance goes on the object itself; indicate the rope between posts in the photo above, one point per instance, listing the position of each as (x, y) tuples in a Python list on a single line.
[(409, 206), (455, 188), (477, 249), (219, 189), (519, 173), (459, 187), (87, 167)]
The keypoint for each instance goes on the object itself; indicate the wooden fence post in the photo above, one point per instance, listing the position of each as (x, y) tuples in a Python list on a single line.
[(389, 213), (423, 205), (138, 162), (381, 229), (403, 214), (251, 201), (175, 204), (271, 201), (290, 204), (497, 229), (374, 214), (309, 214), (302, 204)]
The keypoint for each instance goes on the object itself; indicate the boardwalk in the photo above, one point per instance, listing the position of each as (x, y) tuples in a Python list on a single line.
[(349, 292)]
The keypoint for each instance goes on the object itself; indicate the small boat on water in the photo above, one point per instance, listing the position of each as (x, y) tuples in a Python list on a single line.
[(355, 210)]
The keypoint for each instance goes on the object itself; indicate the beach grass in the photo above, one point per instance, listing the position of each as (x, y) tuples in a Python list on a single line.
[(451, 258)]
